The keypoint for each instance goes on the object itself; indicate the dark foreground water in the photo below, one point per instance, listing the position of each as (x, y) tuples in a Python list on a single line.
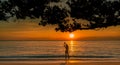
[(55, 49)]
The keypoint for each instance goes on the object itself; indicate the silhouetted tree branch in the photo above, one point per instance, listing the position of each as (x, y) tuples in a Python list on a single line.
[(64, 14)]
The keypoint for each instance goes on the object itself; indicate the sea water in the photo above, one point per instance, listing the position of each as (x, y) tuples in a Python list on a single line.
[(55, 49)]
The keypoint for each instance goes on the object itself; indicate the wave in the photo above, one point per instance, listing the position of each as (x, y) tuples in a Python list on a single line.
[(57, 56)]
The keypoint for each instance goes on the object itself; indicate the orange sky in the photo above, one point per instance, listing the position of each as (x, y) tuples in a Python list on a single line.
[(32, 31)]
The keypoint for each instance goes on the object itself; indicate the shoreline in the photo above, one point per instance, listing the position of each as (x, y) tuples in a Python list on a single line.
[(59, 63), (87, 61)]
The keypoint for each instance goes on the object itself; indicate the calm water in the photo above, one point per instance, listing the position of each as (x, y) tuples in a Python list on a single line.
[(55, 49)]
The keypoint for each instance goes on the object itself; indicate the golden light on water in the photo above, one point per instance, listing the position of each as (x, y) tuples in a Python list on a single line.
[(71, 42), (71, 46), (74, 47)]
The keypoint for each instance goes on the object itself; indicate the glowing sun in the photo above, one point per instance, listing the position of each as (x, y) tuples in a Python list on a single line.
[(71, 35)]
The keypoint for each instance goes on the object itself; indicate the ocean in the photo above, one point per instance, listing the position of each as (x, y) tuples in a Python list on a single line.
[(56, 50)]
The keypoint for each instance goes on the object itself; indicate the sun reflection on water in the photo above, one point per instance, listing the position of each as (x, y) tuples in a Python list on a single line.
[(74, 47), (71, 45)]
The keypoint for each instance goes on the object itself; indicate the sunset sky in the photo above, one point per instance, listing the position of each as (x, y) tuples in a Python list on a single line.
[(27, 30), (30, 30)]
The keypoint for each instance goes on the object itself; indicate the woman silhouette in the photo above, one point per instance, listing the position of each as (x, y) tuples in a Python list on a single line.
[(66, 50)]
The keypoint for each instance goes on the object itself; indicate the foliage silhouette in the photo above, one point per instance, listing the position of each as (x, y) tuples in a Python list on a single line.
[(98, 13)]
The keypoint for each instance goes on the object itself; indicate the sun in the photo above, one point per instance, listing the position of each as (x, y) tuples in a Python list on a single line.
[(71, 35)]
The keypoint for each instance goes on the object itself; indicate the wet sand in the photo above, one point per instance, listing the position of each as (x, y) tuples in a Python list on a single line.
[(59, 62), (79, 63)]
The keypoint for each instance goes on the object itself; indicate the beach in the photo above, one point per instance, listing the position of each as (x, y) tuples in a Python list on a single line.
[(91, 63), (60, 62)]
